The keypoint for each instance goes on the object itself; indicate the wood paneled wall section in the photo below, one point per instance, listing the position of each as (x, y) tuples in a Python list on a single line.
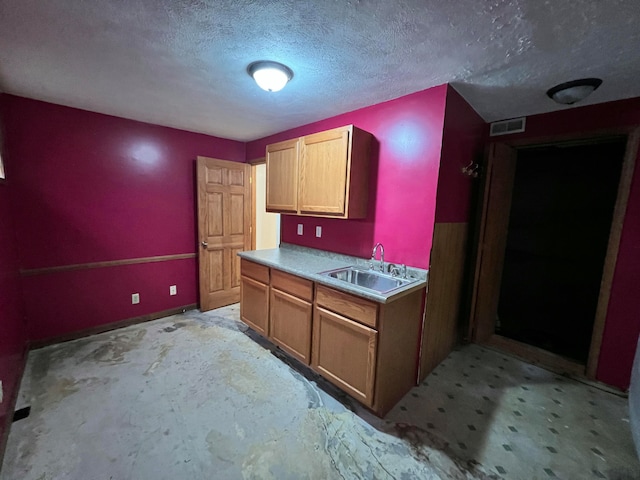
[(444, 297)]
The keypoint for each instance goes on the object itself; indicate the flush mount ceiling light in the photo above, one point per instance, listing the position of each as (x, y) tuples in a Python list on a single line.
[(270, 76), (574, 91)]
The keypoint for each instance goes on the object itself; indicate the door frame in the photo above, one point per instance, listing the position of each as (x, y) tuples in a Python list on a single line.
[(254, 163), (254, 222), (528, 352)]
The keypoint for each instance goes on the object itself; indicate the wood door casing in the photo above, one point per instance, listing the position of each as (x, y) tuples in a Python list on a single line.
[(344, 352), (282, 176), (482, 326), (611, 258), (324, 168), (224, 228), (493, 239)]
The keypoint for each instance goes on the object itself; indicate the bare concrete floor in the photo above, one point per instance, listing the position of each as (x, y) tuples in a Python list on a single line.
[(198, 396)]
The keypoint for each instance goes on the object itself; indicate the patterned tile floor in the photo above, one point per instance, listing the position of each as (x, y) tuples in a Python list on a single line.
[(521, 421)]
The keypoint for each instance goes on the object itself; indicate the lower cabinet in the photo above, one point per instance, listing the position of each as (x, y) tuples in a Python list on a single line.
[(367, 349), (344, 352), (290, 324), (254, 296)]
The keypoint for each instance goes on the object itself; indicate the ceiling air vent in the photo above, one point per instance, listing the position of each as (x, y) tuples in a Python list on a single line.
[(515, 125)]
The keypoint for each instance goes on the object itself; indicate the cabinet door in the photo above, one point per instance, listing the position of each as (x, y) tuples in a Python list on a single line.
[(344, 352), (254, 305), (324, 164), (282, 176), (290, 324)]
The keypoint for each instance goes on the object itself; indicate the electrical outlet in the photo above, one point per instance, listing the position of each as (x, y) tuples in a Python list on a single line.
[(173, 290), (318, 231), (135, 298), (299, 229)]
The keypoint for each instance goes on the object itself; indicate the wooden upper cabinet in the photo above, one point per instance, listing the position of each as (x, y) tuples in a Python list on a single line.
[(323, 172), (331, 174), (282, 176)]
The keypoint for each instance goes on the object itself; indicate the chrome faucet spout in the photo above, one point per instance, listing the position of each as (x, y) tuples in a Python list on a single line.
[(373, 257)]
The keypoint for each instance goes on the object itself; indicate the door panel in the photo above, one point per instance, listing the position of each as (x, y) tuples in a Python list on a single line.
[(224, 219), (237, 178), (215, 217), (236, 226), (216, 270), (214, 175)]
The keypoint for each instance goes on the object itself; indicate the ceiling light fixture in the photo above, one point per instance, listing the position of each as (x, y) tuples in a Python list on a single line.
[(270, 76), (574, 91)]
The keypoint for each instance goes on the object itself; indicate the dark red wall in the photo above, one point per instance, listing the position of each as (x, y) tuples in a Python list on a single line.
[(463, 141), (87, 187), (13, 332), (623, 317), (404, 175)]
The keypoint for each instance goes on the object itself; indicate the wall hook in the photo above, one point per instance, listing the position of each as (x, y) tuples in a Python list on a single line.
[(471, 169)]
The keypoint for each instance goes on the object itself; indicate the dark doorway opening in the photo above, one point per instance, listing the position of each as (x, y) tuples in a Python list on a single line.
[(559, 225)]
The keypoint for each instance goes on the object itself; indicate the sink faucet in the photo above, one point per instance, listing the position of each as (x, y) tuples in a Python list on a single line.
[(373, 257)]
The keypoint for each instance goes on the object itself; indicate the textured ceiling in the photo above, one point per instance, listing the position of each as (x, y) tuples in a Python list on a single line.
[(182, 63)]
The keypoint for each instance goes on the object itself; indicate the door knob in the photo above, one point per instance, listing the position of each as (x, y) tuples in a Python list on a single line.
[(204, 244)]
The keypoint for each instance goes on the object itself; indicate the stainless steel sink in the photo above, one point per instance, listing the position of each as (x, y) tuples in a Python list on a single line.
[(370, 279)]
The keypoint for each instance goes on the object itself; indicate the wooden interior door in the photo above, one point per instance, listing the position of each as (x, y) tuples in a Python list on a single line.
[(224, 229), (498, 190), (324, 159)]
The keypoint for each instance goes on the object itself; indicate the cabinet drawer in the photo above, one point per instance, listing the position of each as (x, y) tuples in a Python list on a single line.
[(254, 270), (350, 306), (300, 287)]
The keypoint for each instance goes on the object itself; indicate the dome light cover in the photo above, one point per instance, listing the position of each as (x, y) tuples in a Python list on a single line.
[(571, 92), (270, 76)]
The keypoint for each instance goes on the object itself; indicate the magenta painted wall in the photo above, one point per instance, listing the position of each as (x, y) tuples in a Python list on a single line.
[(73, 301), (463, 141), (87, 187), (404, 177), (13, 330), (623, 316)]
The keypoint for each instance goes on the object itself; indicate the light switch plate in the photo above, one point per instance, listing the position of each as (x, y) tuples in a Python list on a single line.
[(318, 231), (135, 298), (299, 229), (173, 290)]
